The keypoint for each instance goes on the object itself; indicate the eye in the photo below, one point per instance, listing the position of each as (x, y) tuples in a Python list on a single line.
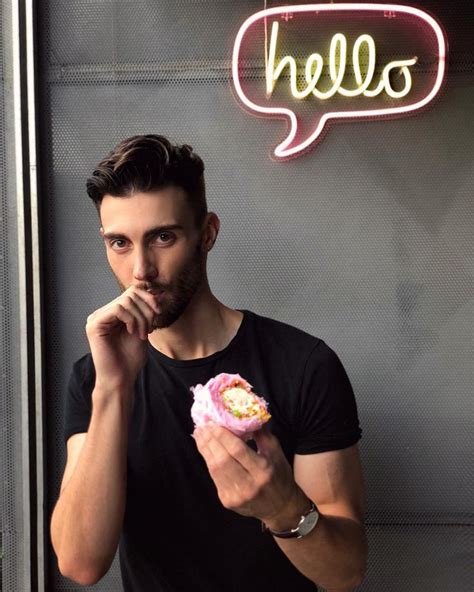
[(168, 237), (115, 241)]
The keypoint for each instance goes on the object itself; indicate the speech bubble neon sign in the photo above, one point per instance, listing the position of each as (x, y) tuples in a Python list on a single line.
[(295, 143)]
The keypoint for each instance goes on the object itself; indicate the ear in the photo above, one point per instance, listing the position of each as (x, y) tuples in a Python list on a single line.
[(212, 225)]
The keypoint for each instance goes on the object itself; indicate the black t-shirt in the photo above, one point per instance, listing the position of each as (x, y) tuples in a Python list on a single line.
[(177, 536)]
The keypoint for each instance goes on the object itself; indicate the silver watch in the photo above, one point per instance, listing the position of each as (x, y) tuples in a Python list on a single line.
[(306, 524)]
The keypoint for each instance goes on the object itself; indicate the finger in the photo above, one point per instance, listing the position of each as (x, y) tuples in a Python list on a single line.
[(224, 470), (265, 440), (147, 297), (144, 324), (127, 318), (147, 307), (238, 450), (132, 319)]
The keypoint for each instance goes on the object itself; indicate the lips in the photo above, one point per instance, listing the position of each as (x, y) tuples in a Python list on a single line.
[(157, 294)]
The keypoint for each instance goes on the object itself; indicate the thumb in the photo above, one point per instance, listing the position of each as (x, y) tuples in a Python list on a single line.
[(264, 439)]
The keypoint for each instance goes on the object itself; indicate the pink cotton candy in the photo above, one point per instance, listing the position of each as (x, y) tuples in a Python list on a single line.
[(209, 406)]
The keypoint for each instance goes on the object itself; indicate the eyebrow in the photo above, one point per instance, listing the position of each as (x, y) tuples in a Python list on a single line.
[(147, 234)]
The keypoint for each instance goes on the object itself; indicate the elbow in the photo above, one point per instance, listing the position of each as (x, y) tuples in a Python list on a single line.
[(79, 568), (357, 581), (76, 570), (83, 570), (84, 577)]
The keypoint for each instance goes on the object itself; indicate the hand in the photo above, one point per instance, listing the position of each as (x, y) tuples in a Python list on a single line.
[(117, 335), (258, 484)]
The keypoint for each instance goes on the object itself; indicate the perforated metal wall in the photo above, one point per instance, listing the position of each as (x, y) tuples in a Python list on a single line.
[(13, 530), (365, 242)]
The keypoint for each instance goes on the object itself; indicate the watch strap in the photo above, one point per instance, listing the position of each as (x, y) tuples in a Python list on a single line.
[(293, 532)]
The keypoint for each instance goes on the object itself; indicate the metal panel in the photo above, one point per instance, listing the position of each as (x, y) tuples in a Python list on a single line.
[(365, 242), (22, 505), (14, 416)]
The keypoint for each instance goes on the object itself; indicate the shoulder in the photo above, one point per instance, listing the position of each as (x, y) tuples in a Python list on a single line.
[(304, 355), (285, 335)]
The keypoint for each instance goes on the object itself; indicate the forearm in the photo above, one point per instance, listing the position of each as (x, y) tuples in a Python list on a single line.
[(88, 517), (332, 555)]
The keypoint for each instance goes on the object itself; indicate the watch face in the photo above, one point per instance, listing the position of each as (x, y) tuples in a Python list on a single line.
[(309, 523)]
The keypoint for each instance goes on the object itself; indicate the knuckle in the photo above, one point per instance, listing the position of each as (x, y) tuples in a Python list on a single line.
[(270, 471), (212, 465), (229, 501), (128, 298), (266, 466), (225, 501), (249, 494), (89, 321), (265, 479), (236, 450), (219, 463), (134, 295)]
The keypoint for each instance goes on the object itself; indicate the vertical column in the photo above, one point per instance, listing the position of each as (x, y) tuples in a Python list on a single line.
[(22, 509)]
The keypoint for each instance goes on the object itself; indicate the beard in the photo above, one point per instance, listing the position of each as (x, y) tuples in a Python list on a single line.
[(179, 293)]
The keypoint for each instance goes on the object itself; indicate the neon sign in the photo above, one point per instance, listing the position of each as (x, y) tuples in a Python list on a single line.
[(277, 99), (337, 69)]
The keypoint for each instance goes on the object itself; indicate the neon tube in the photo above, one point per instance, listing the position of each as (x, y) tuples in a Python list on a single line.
[(283, 149)]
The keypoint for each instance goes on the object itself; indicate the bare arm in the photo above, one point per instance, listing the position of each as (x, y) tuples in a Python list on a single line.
[(334, 554), (88, 516), (87, 520), (263, 485)]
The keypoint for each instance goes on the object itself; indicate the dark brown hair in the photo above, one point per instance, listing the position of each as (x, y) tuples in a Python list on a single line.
[(148, 163)]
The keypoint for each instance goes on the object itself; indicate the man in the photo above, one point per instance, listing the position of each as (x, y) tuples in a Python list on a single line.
[(199, 509)]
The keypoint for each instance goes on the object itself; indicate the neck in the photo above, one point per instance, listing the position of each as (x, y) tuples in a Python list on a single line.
[(205, 327)]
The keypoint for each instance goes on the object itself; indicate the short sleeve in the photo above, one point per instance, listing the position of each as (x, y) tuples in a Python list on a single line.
[(327, 416), (78, 404)]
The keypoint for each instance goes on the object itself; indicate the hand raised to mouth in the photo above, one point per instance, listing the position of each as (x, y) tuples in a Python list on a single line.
[(117, 334)]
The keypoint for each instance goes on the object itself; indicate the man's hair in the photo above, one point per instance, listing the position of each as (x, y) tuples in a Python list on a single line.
[(148, 163)]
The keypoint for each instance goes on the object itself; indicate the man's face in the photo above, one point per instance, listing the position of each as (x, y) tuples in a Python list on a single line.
[(169, 259)]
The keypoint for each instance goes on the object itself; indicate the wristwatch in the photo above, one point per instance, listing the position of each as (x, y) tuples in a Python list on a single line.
[(306, 524)]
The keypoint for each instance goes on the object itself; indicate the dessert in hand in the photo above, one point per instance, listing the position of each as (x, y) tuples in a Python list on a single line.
[(228, 400)]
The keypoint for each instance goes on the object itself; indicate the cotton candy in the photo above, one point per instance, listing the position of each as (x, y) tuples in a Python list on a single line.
[(228, 400)]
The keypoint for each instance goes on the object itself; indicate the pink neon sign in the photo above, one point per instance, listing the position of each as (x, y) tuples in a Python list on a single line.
[(309, 89)]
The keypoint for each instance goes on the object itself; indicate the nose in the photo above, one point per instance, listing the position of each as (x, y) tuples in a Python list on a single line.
[(144, 266)]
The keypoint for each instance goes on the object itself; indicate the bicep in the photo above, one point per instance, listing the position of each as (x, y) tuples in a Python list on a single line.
[(334, 481), (74, 447)]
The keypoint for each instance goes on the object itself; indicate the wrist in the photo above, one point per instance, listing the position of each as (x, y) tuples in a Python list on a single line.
[(291, 514), (109, 389), (106, 395)]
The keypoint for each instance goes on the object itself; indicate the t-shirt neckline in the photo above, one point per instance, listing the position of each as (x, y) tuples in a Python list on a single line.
[(208, 359)]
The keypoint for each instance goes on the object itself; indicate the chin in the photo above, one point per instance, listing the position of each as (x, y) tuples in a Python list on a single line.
[(164, 320)]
